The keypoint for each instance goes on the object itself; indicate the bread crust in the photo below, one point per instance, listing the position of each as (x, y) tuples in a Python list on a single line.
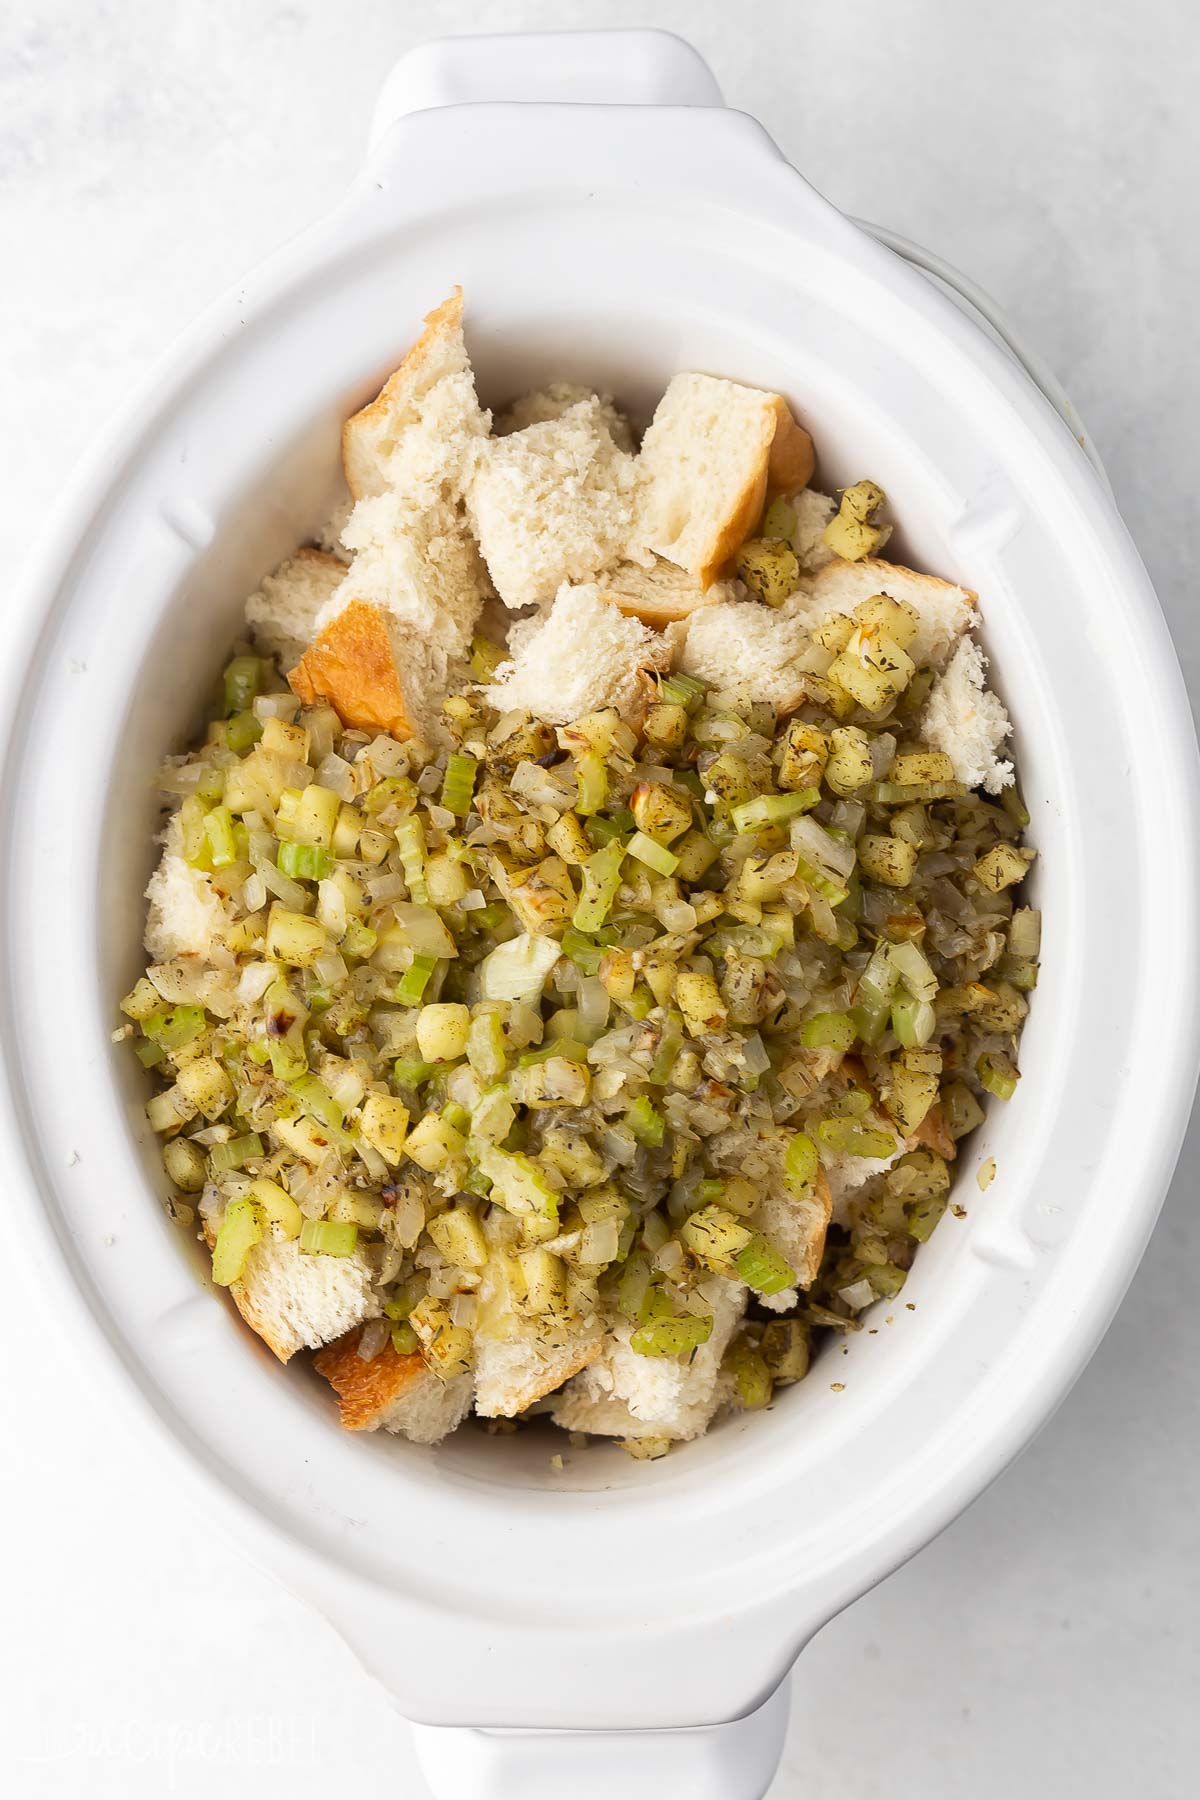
[(350, 664), (445, 320), (366, 1391), (658, 596), (744, 511), (829, 574), (822, 1197), (792, 458)]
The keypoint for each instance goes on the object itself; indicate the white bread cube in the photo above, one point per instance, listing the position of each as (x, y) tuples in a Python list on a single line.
[(550, 503), (512, 1372), (553, 401), (581, 655), (968, 722), (393, 1392), (624, 1394), (295, 1301), (418, 432), (707, 458), (186, 916), (944, 610), (763, 651), (282, 613)]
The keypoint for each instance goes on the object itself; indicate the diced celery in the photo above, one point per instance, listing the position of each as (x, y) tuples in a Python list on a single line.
[(218, 830), (486, 658), (671, 1337), (850, 1139), (601, 881), (773, 809), (243, 732), (785, 1350), (409, 1072), (393, 790), (670, 1044), (998, 1074), (410, 836), (646, 1122), (328, 1237), (404, 1338), (801, 1163), (243, 682), (235, 1153), (828, 1031), (592, 780), (459, 784), (751, 1375), (278, 1208), (655, 856), (913, 1021), (518, 1183), (415, 980), (304, 862), (682, 690), (358, 940), (172, 1028), (913, 969), (240, 1230), (762, 1268)]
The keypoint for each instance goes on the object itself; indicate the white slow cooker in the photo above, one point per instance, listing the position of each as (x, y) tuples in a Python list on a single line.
[(595, 1630)]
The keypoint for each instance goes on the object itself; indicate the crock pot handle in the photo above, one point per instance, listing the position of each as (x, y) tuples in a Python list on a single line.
[(712, 1762), (627, 68)]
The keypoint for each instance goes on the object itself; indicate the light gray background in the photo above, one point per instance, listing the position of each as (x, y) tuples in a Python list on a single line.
[(150, 150)]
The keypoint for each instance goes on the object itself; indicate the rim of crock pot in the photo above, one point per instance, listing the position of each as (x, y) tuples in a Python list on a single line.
[(52, 571)]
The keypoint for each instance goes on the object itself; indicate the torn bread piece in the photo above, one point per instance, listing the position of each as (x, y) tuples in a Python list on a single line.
[(659, 595), (393, 1392), (625, 1394), (968, 722), (944, 610), (553, 401), (796, 1224), (295, 1301), (420, 429), (282, 613), (708, 457), (351, 664), (552, 502), (186, 916), (419, 563), (513, 1372), (582, 655), (765, 652)]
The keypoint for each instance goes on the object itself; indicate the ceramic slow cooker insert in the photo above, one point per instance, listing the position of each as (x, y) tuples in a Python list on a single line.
[(627, 230)]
